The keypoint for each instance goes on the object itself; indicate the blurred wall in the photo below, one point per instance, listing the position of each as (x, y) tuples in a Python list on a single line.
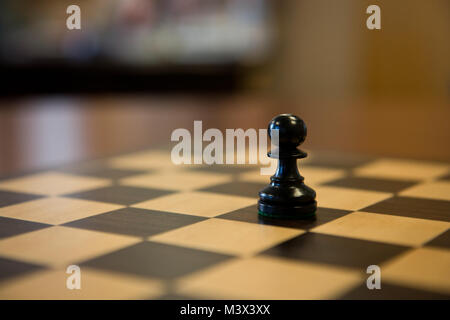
[(327, 51), (320, 52), (384, 92)]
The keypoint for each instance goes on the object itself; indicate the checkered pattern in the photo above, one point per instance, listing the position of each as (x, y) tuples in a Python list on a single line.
[(142, 228)]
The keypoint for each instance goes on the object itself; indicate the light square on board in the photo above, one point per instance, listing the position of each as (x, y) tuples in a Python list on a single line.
[(374, 184), (313, 175), (52, 183), (56, 210), (51, 284), (424, 268), (237, 188), (384, 228), (402, 169), (203, 204), (347, 199), (174, 180), (333, 159), (269, 278), (153, 159), (227, 236), (100, 170), (437, 190), (230, 169), (61, 246)]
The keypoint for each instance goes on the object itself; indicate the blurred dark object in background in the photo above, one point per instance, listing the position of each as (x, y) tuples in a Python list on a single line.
[(131, 45)]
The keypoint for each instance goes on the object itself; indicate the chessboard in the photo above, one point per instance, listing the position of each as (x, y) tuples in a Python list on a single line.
[(139, 227)]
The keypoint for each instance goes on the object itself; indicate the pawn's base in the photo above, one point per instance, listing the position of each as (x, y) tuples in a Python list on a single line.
[(304, 211)]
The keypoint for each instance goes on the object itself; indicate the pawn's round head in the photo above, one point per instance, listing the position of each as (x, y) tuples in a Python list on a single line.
[(291, 129)]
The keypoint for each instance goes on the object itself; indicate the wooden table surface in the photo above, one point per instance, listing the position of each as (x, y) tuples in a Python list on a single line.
[(42, 131)]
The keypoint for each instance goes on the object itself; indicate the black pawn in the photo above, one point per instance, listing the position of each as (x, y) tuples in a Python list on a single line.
[(287, 196)]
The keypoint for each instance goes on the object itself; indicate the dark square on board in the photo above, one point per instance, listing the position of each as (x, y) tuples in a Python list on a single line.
[(158, 260), (250, 214), (12, 268), (8, 198), (101, 171), (391, 292), (445, 178), (123, 195), (135, 222), (11, 227), (321, 248), (442, 241), (413, 208)]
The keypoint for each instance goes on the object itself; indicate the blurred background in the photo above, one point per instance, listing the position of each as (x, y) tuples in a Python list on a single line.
[(139, 69)]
